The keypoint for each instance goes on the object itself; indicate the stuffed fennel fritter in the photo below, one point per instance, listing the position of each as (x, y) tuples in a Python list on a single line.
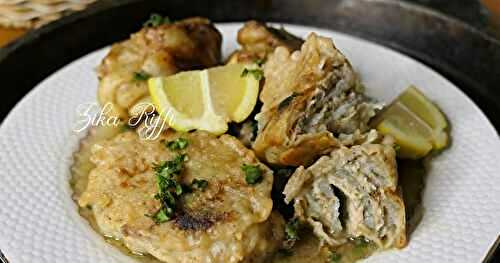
[(313, 102), (158, 50), (224, 217), (258, 40), (351, 193)]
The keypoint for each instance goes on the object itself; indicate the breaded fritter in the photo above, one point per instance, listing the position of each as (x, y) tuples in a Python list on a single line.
[(228, 221), (163, 50), (312, 101), (351, 193), (258, 40)]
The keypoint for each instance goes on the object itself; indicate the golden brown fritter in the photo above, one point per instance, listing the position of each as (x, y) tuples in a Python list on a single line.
[(312, 103), (351, 193), (258, 40), (155, 51), (228, 221)]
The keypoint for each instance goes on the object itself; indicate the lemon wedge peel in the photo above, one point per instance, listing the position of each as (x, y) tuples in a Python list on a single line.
[(417, 124)]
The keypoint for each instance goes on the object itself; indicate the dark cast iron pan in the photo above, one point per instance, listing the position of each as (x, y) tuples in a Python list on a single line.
[(467, 57)]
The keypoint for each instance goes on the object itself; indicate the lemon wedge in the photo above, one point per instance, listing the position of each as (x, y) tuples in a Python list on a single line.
[(416, 101), (205, 99), (416, 123)]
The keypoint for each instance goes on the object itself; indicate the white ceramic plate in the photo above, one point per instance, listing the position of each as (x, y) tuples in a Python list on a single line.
[(39, 222)]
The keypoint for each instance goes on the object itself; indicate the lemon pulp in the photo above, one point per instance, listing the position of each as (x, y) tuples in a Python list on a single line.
[(205, 99), (416, 123)]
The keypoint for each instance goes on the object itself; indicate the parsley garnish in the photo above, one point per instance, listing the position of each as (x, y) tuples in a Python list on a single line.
[(169, 188), (255, 129), (284, 103), (253, 173), (258, 74), (260, 61), (160, 216), (397, 148), (334, 257), (141, 76), (156, 20), (292, 229), (199, 184), (177, 144)]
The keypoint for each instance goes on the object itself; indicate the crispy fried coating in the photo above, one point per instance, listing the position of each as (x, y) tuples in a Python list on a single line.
[(163, 50), (351, 193), (258, 40), (312, 99)]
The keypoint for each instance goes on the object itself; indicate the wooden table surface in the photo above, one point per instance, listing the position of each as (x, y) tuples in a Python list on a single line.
[(7, 35)]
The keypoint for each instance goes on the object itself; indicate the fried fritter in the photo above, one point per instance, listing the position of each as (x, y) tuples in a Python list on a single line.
[(351, 194), (258, 40), (228, 221), (190, 43), (312, 101)]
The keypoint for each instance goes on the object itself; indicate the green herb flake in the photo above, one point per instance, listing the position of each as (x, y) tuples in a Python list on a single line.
[(255, 129), (284, 103), (156, 20), (179, 190), (159, 217), (292, 230), (199, 184), (253, 173), (260, 61), (169, 188), (177, 144), (397, 148), (334, 257), (141, 76), (258, 74)]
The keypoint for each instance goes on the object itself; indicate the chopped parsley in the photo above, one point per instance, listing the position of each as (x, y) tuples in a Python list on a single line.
[(260, 61), (253, 173), (160, 216), (141, 76), (156, 20), (255, 129), (169, 188), (284, 103), (292, 229), (397, 148), (257, 73), (334, 257), (177, 144), (199, 184)]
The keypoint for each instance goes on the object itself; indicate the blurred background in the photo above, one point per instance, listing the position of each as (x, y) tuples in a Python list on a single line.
[(20, 16)]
